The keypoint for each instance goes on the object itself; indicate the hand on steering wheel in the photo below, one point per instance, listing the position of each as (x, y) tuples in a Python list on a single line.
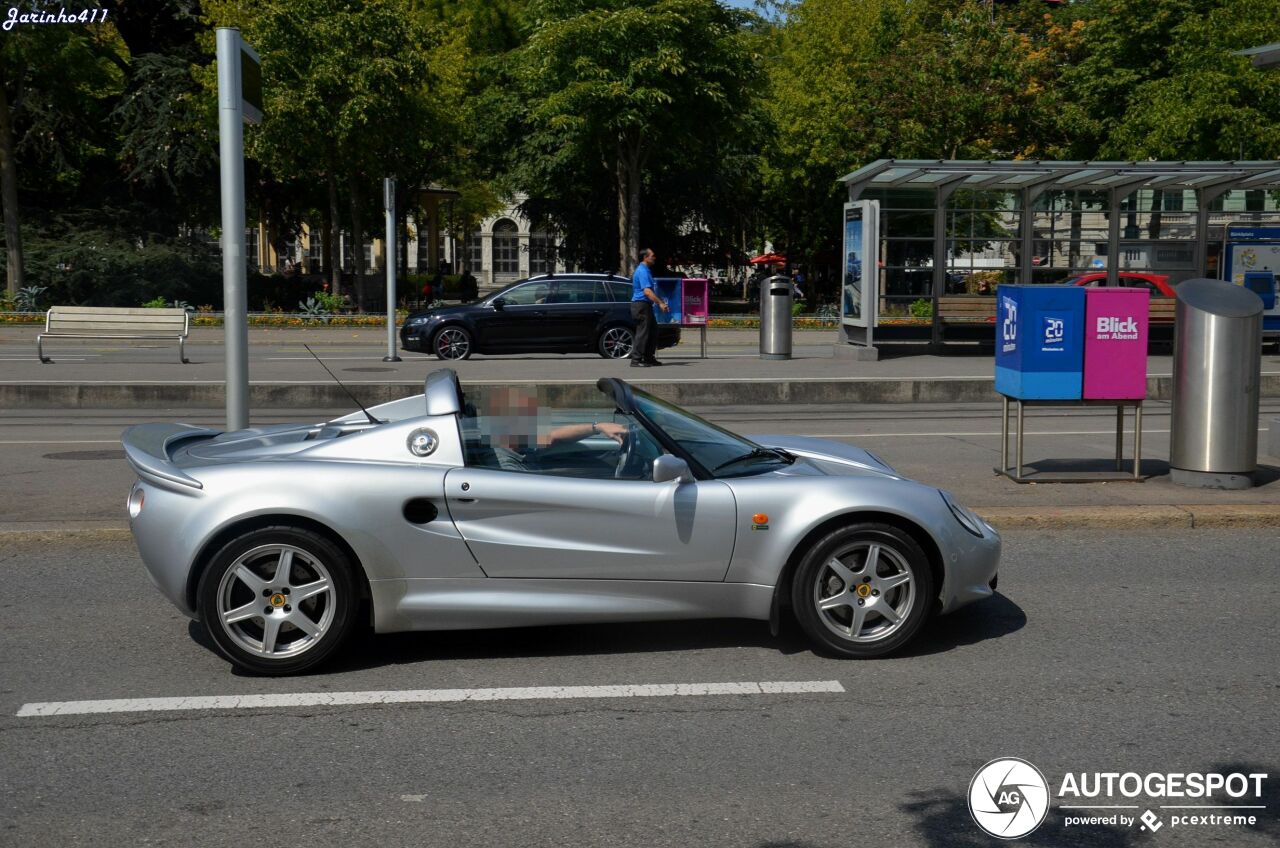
[(627, 439)]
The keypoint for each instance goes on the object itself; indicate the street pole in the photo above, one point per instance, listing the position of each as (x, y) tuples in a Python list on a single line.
[(389, 203), (234, 270)]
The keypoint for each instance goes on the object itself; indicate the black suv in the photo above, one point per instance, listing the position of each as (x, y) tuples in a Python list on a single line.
[(562, 313)]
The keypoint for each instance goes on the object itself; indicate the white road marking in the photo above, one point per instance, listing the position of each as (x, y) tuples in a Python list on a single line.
[(420, 696)]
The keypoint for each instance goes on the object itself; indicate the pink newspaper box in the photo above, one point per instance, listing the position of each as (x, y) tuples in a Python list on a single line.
[(696, 298), (1115, 343)]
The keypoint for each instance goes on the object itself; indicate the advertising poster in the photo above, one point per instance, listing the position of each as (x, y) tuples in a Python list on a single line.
[(859, 264)]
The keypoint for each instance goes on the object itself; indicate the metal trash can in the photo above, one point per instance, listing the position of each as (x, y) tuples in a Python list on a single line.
[(1217, 368), (776, 296)]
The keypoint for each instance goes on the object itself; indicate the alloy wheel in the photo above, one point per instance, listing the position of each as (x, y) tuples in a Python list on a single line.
[(616, 343), (453, 343), (276, 601), (864, 592)]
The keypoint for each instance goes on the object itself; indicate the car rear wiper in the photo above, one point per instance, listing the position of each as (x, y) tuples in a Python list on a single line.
[(757, 453)]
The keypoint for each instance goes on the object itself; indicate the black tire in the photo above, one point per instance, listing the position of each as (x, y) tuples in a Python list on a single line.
[(909, 602), (616, 342), (452, 342), (313, 560)]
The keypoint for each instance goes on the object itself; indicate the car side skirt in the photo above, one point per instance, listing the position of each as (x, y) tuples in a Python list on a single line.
[(440, 603)]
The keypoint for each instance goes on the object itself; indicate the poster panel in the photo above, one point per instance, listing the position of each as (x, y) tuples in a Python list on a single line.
[(859, 265)]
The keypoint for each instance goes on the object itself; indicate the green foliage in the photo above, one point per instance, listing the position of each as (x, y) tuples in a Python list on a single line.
[(612, 97), (155, 303), (315, 311), (30, 299), (97, 259), (922, 308)]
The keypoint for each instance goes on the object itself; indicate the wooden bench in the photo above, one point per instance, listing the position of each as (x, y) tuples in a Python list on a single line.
[(967, 309), (106, 322), (978, 309)]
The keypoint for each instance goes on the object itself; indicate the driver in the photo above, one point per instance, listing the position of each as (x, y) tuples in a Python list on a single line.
[(514, 430)]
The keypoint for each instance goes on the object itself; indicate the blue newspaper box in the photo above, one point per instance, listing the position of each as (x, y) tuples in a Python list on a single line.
[(669, 289), (1040, 342)]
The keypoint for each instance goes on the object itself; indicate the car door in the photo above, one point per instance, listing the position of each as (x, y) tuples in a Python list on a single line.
[(532, 525), (574, 310), (514, 327)]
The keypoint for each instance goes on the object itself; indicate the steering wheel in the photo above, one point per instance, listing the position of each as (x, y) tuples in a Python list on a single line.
[(628, 450)]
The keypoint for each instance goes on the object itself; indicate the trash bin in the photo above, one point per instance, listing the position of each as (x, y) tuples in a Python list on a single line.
[(1217, 366), (776, 296)]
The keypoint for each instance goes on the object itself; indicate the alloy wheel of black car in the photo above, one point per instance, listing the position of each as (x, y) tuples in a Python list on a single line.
[(616, 343), (452, 343)]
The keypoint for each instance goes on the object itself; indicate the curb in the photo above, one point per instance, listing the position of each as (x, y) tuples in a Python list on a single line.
[(321, 395), (1003, 518), (1153, 517)]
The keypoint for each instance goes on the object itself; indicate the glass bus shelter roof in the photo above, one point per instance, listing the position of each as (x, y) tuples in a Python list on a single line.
[(1046, 175)]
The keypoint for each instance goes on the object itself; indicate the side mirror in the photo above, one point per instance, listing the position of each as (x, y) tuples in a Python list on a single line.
[(668, 467), (499, 304)]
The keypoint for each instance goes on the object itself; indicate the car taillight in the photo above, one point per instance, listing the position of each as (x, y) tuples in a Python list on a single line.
[(136, 499)]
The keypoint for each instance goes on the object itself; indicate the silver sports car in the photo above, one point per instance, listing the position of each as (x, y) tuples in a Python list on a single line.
[(501, 508)]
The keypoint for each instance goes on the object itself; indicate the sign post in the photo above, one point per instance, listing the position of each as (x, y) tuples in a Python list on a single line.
[(239, 100), (389, 204)]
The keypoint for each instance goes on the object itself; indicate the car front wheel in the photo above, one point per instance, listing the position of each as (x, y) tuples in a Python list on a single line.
[(863, 591), (616, 343), (278, 600), (452, 343)]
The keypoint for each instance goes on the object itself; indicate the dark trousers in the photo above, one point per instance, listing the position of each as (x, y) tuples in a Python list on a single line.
[(646, 346)]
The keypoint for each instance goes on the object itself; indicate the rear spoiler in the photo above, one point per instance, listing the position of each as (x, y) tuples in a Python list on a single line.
[(146, 446)]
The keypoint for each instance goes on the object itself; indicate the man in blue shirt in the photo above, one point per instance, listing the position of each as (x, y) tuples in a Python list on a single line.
[(643, 298)]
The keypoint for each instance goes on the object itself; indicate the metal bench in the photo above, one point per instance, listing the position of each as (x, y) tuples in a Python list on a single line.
[(106, 322)]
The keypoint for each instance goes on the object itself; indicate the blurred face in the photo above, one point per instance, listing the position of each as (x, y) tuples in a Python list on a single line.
[(514, 417), (650, 258)]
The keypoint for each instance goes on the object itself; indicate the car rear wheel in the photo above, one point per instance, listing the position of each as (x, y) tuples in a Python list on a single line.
[(452, 343), (278, 600), (616, 343), (863, 591)]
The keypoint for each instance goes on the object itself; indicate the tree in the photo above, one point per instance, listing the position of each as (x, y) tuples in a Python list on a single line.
[(625, 85), (349, 97), (55, 82), (1206, 103), (855, 82)]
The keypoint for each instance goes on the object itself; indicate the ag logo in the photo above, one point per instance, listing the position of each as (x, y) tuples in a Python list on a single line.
[(1008, 798)]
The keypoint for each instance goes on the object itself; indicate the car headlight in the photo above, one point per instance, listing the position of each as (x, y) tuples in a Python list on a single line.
[(417, 320), (967, 518)]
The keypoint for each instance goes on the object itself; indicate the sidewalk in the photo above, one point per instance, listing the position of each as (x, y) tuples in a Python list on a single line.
[(95, 374)]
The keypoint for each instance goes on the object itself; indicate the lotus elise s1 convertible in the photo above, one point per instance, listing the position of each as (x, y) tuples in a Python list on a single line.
[(499, 508)]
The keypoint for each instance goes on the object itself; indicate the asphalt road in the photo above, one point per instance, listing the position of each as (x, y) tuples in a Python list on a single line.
[(1101, 652), (68, 464)]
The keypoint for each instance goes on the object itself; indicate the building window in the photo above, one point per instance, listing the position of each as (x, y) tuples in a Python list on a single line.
[(542, 255), (506, 248), (251, 247), (475, 252), (315, 250)]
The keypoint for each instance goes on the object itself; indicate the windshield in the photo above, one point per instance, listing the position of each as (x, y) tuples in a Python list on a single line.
[(721, 452)]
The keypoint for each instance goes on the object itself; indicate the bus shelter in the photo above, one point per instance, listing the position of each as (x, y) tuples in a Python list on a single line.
[(926, 242)]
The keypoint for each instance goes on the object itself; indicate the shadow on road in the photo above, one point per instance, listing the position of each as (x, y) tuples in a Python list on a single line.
[(989, 619)]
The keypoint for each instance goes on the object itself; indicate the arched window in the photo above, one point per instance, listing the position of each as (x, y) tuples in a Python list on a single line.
[(506, 249)]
